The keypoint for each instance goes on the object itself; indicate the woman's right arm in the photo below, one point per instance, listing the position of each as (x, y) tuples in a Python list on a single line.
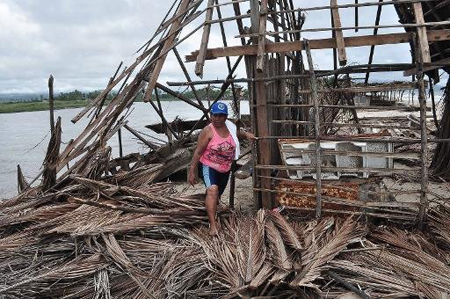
[(203, 140)]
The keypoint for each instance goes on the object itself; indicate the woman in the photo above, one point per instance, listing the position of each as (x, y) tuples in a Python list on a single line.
[(217, 147)]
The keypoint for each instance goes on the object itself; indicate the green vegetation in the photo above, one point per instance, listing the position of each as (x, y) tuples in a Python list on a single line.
[(77, 99), (38, 106)]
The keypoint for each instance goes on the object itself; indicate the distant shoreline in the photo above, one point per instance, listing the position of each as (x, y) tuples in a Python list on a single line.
[(31, 106), (10, 103), (16, 107)]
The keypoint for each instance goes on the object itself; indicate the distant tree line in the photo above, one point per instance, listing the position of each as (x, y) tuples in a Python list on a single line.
[(203, 94), (77, 95)]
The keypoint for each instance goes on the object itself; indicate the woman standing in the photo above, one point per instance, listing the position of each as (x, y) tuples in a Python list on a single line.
[(217, 148)]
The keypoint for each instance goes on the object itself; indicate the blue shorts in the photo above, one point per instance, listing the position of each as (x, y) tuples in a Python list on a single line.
[(211, 177)]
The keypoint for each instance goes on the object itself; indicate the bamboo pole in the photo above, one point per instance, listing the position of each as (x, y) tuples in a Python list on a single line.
[(337, 28), (352, 5)]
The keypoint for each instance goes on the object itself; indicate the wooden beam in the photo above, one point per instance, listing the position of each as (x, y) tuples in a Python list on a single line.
[(339, 35), (182, 10), (205, 38), (435, 65), (262, 37), (328, 43), (422, 34)]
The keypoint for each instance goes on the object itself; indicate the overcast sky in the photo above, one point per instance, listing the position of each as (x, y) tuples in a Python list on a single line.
[(81, 42)]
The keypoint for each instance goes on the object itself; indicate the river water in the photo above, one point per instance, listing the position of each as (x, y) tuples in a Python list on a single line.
[(24, 137)]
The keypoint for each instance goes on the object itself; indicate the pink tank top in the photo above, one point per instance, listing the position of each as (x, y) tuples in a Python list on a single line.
[(219, 152)]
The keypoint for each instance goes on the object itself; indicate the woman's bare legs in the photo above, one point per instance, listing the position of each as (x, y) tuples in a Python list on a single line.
[(212, 195)]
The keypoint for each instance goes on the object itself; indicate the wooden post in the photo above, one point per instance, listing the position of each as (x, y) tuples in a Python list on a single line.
[(232, 184), (51, 158), (316, 132), (51, 103), (262, 37), (262, 128), (22, 183), (422, 34), (119, 134), (423, 136), (233, 168)]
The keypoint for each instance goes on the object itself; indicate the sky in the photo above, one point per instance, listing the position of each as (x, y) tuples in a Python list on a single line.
[(81, 42)]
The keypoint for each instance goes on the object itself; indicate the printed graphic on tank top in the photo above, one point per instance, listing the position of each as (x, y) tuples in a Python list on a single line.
[(219, 153)]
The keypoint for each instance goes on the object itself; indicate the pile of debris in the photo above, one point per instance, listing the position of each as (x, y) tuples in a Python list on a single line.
[(94, 238)]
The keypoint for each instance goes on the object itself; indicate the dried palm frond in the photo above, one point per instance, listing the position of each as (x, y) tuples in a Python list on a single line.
[(256, 247), (102, 285), (85, 220), (439, 220), (143, 175), (279, 254), (370, 276), (435, 278), (411, 247), (288, 233), (344, 234)]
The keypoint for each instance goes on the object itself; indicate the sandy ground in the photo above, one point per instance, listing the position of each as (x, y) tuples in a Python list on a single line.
[(243, 196)]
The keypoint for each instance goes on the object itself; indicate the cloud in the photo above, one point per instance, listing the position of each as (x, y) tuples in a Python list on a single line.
[(81, 42)]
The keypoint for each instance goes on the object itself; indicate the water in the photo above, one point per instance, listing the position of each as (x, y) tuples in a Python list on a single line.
[(24, 137)]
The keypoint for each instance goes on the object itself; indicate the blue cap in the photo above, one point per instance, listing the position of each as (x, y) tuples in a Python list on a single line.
[(219, 108)]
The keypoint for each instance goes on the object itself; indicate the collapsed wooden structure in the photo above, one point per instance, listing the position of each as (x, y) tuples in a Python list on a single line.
[(106, 220), (288, 98)]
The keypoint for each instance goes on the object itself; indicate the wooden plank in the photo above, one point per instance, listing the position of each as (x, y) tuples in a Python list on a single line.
[(422, 34), (436, 65), (327, 43), (205, 38), (262, 38), (168, 43), (339, 35)]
